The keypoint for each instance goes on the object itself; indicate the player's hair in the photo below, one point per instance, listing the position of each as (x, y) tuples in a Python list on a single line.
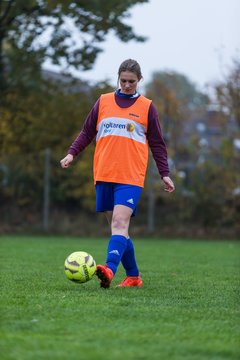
[(132, 66)]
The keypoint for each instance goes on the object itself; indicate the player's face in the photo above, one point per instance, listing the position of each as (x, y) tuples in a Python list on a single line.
[(128, 82)]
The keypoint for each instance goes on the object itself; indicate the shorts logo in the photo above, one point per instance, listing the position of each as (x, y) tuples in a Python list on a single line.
[(130, 201)]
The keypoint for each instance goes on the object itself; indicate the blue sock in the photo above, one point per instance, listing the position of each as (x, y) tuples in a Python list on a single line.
[(129, 261), (116, 247)]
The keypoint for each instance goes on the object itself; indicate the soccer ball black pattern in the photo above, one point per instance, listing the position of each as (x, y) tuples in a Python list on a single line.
[(80, 267)]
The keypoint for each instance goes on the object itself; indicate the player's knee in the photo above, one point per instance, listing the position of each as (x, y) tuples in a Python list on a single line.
[(119, 222)]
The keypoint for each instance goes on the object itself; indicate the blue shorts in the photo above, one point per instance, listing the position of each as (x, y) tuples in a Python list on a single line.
[(110, 194)]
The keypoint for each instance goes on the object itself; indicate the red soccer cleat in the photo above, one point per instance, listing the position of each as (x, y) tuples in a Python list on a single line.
[(131, 281), (105, 275)]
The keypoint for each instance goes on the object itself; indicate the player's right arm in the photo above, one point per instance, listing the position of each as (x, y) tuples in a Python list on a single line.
[(66, 162), (85, 137)]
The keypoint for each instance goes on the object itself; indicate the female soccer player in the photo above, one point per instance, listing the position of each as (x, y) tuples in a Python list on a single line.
[(124, 123)]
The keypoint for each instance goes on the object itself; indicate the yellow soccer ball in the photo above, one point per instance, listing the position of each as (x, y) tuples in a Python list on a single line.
[(80, 267)]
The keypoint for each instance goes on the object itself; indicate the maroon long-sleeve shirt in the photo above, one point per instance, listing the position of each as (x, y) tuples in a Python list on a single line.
[(154, 133)]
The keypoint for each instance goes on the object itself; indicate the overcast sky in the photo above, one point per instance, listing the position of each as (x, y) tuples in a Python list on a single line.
[(195, 38)]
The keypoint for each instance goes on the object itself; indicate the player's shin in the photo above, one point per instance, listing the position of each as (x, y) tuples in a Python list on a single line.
[(116, 248), (128, 260)]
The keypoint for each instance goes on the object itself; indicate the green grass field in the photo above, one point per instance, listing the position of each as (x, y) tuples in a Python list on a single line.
[(188, 307)]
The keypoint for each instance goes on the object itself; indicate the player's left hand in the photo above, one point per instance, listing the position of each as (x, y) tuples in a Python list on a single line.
[(169, 185)]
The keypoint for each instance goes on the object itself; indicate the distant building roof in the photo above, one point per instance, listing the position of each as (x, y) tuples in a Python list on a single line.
[(71, 84)]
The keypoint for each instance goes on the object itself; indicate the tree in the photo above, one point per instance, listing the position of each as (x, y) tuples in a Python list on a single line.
[(167, 105), (176, 98), (185, 90), (67, 32), (228, 91), (47, 118)]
